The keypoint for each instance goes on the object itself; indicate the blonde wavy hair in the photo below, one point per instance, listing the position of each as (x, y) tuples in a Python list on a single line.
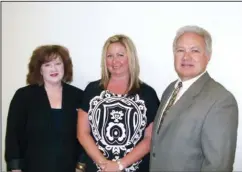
[(134, 68)]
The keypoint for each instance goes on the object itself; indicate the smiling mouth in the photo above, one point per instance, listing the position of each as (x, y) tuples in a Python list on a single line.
[(54, 74), (187, 65), (116, 67)]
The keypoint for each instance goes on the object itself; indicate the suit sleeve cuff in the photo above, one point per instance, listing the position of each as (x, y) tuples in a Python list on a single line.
[(15, 164)]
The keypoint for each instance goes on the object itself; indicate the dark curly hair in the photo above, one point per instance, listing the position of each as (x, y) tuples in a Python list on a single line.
[(46, 53)]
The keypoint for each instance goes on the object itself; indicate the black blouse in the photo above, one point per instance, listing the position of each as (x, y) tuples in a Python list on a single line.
[(118, 122)]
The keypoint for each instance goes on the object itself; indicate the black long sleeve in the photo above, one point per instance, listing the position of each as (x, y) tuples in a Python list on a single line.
[(14, 141)]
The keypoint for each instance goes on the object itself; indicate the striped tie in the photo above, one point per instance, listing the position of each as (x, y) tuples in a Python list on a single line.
[(170, 103)]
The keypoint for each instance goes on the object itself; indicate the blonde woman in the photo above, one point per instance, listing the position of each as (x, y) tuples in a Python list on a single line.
[(116, 115)]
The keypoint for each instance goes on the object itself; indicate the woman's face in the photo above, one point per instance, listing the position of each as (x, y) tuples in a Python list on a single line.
[(52, 71), (117, 60)]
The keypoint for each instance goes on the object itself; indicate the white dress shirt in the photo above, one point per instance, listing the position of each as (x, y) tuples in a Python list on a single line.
[(185, 85)]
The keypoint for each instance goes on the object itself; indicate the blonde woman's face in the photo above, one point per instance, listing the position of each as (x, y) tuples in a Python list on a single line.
[(117, 60)]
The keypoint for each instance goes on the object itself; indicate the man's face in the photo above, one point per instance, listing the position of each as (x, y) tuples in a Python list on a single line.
[(190, 56)]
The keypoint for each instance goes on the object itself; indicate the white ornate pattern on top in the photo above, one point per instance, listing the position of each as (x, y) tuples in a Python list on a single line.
[(117, 124)]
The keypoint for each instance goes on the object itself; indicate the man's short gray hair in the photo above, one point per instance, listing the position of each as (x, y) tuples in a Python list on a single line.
[(198, 30)]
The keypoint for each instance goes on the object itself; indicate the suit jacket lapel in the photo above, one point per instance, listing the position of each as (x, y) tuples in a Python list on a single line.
[(44, 104), (66, 105), (163, 102), (185, 100), (64, 96)]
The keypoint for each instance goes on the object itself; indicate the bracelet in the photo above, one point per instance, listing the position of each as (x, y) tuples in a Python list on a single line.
[(81, 166), (102, 164), (120, 165)]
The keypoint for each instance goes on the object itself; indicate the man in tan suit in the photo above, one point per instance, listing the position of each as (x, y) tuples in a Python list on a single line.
[(195, 128)]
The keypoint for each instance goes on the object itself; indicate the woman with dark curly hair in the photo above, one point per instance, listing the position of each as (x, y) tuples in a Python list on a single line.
[(42, 117)]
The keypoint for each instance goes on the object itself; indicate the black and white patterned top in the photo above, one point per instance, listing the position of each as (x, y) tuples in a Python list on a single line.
[(118, 122)]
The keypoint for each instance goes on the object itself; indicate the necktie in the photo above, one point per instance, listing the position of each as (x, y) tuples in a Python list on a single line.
[(170, 103)]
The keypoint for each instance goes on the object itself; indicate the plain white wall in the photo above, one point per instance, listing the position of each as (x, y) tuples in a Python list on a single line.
[(84, 26)]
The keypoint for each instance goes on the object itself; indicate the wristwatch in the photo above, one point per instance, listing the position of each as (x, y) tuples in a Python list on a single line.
[(120, 165)]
